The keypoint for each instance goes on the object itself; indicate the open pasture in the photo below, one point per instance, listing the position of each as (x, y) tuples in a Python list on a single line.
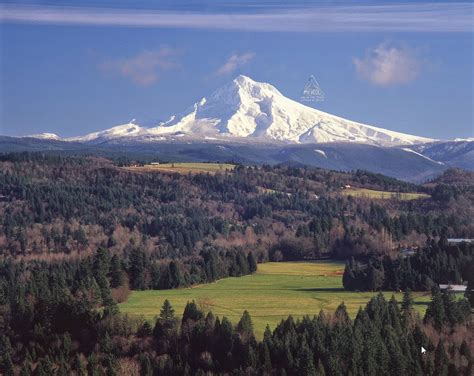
[(383, 195), (185, 168), (275, 291)]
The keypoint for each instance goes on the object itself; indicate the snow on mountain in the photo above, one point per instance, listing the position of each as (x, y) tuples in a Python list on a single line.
[(126, 130), (469, 139), (250, 110), (421, 155), (45, 136), (457, 153), (321, 152)]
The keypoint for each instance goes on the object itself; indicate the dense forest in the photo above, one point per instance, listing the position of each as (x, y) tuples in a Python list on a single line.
[(78, 233), (51, 327), (57, 206), (436, 263)]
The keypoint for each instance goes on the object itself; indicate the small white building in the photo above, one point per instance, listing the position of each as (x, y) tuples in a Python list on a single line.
[(407, 252), (453, 288), (460, 240)]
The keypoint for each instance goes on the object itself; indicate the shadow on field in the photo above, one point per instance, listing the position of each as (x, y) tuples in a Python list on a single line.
[(421, 303), (321, 289)]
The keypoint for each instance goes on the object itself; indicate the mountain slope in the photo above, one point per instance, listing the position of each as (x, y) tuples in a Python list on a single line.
[(253, 111), (120, 131), (250, 109), (457, 153), (45, 136), (390, 161)]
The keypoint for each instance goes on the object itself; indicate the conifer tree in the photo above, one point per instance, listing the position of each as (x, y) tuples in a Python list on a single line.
[(441, 360), (408, 313), (192, 312), (25, 369), (470, 287), (146, 368), (176, 277), (265, 358), (6, 364), (145, 330), (320, 371), (78, 366), (245, 327), (117, 276), (137, 269), (304, 361), (435, 310), (252, 262), (341, 316)]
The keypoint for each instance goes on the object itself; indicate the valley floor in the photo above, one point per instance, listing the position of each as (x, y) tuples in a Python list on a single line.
[(275, 291)]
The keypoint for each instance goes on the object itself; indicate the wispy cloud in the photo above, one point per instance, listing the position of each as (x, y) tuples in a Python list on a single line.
[(422, 17), (144, 68), (234, 62), (387, 65)]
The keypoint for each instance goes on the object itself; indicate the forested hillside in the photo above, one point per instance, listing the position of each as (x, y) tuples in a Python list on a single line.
[(53, 206), (78, 233)]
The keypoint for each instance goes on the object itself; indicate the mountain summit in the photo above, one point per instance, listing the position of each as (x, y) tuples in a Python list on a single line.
[(246, 109)]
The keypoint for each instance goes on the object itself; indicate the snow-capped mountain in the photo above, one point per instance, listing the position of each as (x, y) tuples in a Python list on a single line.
[(126, 130), (249, 109), (45, 136), (254, 111)]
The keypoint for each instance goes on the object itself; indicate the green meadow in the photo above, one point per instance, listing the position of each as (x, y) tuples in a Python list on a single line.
[(384, 195), (185, 168), (275, 291)]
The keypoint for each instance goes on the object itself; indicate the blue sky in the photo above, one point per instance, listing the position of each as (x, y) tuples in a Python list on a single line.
[(78, 67)]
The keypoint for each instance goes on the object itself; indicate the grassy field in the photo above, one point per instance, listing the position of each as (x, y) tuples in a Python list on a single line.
[(383, 195), (274, 292), (185, 168)]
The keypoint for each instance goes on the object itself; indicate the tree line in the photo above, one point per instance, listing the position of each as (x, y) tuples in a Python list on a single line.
[(383, 338), (436, 263)]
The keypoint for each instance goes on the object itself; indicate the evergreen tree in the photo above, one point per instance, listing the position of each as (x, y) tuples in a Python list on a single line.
[(441, 360), (78, 366), (155, 277), (117, 277), (435, 311), (146, 368), (320, 371), (408, 314), (265, 358), (470, 287), (224, 343), (245, 327), (252, 262), (304, 361), (192, 312), (26, 369), (137, 269), (145, 330), (167, 311), (6, 364), (93, 365), (176, 277)]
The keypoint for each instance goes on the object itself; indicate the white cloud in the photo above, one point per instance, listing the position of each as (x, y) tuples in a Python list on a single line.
[(388, 65), (407, 17), (144, 68), (235, 61)]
